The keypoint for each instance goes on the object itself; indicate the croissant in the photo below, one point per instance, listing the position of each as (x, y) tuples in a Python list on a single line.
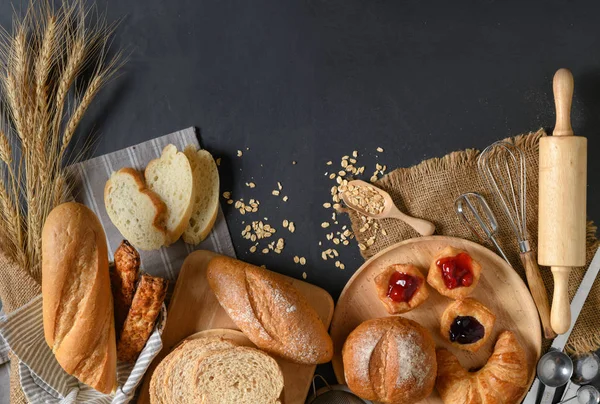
[(503, 379)]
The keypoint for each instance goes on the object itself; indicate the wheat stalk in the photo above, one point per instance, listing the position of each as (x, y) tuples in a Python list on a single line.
[(40, 62)]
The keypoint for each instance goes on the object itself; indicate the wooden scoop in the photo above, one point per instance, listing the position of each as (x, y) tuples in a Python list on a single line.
[(423, 227), (562, 203)]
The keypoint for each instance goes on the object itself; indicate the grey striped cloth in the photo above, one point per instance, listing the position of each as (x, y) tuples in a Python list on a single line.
[(42, 378)]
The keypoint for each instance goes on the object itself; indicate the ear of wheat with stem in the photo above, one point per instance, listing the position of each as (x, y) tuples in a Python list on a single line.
[(49, 50)]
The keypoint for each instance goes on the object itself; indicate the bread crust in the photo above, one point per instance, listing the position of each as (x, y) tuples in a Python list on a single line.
[(77, 299), (468, 307), (434, 277), (382, 285), (270, 311), (503, 379), (145, 308), (123, 278), (390, 360)]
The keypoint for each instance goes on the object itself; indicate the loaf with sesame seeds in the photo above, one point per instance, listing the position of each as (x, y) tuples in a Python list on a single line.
[(270, 311)]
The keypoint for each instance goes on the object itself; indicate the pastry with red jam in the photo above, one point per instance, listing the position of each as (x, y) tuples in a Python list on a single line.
[(401, 288), (467, 324), (454, 273)]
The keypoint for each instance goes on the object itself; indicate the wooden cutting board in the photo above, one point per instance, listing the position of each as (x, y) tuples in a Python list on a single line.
[(500, 288), (194, 308)]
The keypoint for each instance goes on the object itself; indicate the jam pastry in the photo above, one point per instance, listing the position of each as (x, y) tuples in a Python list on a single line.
[(454, 273), (401, 288), (467, 324), (503, 379)]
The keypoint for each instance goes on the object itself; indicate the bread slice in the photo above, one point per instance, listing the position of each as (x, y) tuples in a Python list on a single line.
[(179, 382), (240, 375), (136, 211), (206, 202), (170, 176)]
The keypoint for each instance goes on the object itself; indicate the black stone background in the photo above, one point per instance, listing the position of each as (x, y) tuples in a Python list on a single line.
[(313, 80)]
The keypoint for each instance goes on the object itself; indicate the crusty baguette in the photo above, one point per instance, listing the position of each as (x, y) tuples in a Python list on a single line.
[(206, 203), (78, 317), (135, 210), (170, 176), (148, 298), (270, 311), (123, 278)]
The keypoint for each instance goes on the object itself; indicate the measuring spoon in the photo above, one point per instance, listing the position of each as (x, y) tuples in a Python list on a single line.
[(554, 369), (585, 395)]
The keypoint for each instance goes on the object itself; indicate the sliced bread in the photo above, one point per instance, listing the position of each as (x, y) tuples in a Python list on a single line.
[(170, 177), (158, 393), (137, 212), (240, 375), (206, 202)]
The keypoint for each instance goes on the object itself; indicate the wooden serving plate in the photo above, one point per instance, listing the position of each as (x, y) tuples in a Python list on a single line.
[(500, 288), (194, 310)]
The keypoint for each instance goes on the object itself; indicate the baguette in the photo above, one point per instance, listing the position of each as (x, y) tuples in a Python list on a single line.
[(122, 279), (138, 326), (78, 317), (270, 311)]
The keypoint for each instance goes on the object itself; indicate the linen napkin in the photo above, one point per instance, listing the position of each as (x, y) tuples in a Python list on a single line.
[(42, 378)]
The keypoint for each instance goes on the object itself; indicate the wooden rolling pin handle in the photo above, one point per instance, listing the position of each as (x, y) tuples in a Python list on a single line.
[(561, 309), (421, 226), (538, 291), (563, 97)]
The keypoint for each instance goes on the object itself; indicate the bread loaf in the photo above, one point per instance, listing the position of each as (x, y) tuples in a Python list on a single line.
[(270, 311), (390, 360), (77, 301), (123, 278)]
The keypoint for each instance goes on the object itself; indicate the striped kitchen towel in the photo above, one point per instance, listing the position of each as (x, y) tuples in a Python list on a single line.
[(41, 377)]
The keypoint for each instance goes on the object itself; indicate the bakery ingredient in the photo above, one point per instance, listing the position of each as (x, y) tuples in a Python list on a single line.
[(213, 371), (206, 201), (503, 166), (270, 311), (77, 301), (170, 177), (454, 273), (390, 360), (145, 308), (123, 277), (467, 324), (562, 201), (503, 379), (401, 288), (137, 212)]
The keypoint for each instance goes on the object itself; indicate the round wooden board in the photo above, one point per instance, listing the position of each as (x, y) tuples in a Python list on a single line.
[(500, 288)]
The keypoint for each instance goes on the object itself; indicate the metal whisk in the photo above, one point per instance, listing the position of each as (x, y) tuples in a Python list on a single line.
[(502, 164)]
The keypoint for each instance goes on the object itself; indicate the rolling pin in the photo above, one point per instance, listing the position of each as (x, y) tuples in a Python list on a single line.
[(562, 201)]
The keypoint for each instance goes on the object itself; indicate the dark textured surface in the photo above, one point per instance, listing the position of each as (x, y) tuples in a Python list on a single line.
[(312, 81)]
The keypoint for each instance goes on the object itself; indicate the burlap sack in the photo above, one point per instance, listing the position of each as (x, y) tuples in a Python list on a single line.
[(429, 189), (17, 287)]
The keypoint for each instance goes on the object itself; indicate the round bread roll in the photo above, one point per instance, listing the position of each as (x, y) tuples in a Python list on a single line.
[(390, 360)]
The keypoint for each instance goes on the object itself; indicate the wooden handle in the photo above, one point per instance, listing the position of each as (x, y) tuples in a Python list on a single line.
[(563, 97), (421, 226), (538, 291), (560, 315)]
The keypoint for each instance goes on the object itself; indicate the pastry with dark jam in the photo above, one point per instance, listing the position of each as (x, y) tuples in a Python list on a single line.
[(454, 273), (467, 324), (401, 288)]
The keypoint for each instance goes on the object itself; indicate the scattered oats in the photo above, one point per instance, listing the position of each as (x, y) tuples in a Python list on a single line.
[(218, 161), (304, 275), (336, 241), (326, 205), (355, 154), (285, 198), (370, 242), (342, 266), (374, 178), (250, 184), (239, 153), (337, 264), (339, 181), (380, 149), (345, 242), (331, 176), (302, 261), (320, 243), (227, 195), (344, 163), (341, 173), (294, 162), (275, 192), (378, 166), (384, 232), (296, 259), (353, 161), (345, 157), (329, 163), (285, 223), (279, 185), (324, 256), (265, 250), (253, 249), (292, 227), (362, 246), (325, 225), (229, 201)]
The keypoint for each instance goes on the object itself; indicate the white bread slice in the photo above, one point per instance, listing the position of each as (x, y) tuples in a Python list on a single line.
[(240, 375), (157, 392), (206, 202), (180, 379), (137, 212), (170, 176)]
